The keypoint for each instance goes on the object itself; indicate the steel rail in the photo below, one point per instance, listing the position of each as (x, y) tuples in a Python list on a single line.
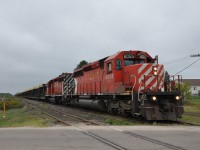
[(83, 120), (104, 140), (67, 114), (101, 139), (54, 117), (173, 147)]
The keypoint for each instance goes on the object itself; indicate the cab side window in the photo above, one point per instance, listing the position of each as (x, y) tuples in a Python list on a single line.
[(118, 64), (109, 67)]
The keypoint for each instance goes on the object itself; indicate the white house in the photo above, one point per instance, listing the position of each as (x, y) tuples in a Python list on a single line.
[(194, 84)]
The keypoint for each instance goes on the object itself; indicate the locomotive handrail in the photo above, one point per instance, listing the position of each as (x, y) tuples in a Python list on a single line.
[(134, 81), (139, 90), (179, 80), (134, 86)]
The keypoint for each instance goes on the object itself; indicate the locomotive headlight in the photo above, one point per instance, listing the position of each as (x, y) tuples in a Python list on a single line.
[(154, 98), (177, 98), (155, 71)]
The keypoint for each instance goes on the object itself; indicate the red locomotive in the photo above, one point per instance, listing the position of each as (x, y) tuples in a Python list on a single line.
[(129, 82), (55, 89)]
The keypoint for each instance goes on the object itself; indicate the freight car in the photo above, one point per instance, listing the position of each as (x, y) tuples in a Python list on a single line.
[(37, 92), (128, 82)]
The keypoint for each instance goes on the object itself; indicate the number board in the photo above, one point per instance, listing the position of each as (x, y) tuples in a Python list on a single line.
[(127, 56)]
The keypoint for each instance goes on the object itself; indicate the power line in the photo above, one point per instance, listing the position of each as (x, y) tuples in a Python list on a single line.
[(184, 57), (195, 55), (175, 60), (189, 65)]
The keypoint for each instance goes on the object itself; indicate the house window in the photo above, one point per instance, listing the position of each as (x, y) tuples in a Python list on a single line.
[(195, 88), (109, 67), (118, 64)]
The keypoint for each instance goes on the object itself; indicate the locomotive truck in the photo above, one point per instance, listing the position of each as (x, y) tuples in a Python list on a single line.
[(128, 82)]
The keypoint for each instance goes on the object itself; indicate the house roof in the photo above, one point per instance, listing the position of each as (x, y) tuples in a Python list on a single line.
[(192, 82)]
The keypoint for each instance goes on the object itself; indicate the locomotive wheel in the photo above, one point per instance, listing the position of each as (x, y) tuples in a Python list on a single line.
[(121, 111)]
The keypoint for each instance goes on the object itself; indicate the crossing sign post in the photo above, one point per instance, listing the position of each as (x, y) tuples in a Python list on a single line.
[(4, 108)]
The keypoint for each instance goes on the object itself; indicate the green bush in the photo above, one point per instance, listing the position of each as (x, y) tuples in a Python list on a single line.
[(185, 91), (6, 95), (12, 103)]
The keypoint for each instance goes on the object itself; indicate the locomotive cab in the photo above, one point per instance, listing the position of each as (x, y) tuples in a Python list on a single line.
[(121, 71)]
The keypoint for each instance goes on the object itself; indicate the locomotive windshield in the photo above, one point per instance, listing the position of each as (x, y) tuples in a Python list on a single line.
[(128, 62), (130, 59)]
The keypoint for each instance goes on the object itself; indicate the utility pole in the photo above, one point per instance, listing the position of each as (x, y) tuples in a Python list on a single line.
[(195, 55)]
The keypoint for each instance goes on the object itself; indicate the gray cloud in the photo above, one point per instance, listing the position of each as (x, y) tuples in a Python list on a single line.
[(41, 39)]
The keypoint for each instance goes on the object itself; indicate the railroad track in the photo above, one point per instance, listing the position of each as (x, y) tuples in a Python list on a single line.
[(164, 144), (64, 118), (187, 123), (58, 115), (94, 116), (164, 122), (60, 119), (88, 114), (195, 114)]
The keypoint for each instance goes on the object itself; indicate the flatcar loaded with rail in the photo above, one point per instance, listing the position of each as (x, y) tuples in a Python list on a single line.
[(128, 82)]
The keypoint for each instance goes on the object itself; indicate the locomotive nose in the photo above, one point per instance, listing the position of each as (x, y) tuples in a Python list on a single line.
[(166, 107)]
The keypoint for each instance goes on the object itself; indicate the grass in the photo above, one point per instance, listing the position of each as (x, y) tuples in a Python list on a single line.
[(24, 117), (191, 119), (120, 121), (192, 105), (117, 122)]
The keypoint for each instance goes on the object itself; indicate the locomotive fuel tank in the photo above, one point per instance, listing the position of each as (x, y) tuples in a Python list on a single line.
[(86, 102), (92, 104)]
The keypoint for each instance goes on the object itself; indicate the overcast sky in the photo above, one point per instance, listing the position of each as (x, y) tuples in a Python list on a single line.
[(40, 39)]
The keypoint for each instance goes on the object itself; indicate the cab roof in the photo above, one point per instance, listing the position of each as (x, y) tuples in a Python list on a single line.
[(132, 51)]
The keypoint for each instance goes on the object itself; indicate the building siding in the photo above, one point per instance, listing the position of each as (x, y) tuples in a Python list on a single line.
[(194, 85)]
